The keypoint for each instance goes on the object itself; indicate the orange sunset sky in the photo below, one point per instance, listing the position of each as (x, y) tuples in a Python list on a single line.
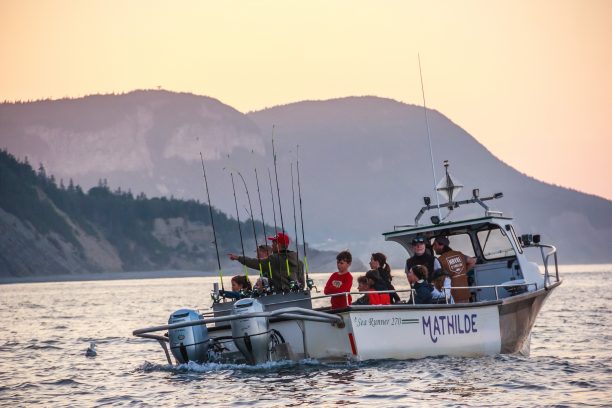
[(531, 80)]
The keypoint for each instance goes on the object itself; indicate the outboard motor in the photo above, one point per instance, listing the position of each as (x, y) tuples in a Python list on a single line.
[(252, 334), (188, 343)]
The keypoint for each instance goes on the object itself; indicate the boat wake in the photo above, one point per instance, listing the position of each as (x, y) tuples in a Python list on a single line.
[(215, 367)]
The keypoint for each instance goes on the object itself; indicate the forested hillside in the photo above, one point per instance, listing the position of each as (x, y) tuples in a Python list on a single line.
[(49, 227)]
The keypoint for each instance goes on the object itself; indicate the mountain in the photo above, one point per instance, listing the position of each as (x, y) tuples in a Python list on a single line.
[(51, 230), (364, 164)]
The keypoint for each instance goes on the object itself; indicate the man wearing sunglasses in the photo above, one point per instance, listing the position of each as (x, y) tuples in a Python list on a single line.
[(422, 256), (436, 276)]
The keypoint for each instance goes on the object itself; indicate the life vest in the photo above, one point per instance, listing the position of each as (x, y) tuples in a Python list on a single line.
[(454, 263), (379, 298)]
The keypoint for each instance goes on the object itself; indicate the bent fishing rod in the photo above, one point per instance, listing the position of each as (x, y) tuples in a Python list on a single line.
[(297, 166), (246, 272), (263, 222), (212, 222), (252, 220), (280, 208)]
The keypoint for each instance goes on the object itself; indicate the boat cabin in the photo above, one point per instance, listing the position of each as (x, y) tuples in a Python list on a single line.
[(502, 268)]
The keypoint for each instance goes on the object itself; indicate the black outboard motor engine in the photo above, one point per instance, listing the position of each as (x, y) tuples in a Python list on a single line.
[(188, 343)]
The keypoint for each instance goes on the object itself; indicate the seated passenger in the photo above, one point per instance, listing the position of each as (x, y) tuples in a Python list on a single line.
[(240, 285), (441, 292), (377, 284), (421, 288), (262, 285), (362, 286), (340, 282), (378, 262)]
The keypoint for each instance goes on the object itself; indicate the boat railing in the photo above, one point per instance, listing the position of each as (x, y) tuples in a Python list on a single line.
[(545, 261), (290, 312), (297, 313), (496, 288)]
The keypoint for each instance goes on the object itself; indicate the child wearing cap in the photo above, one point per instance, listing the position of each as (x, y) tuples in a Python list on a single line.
[(340, 282)]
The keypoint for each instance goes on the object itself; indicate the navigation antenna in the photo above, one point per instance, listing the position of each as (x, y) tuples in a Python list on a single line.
[(433, 169)]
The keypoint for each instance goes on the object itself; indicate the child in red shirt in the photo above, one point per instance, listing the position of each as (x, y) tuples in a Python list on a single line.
[(341, 281)]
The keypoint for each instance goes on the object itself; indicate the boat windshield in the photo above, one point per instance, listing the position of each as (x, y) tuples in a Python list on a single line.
[(463, 243), (495, 244)]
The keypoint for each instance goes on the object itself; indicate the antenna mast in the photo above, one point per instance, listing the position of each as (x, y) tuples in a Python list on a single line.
[(433, 169)]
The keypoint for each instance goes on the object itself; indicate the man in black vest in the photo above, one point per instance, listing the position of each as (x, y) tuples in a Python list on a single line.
[(422, 256)]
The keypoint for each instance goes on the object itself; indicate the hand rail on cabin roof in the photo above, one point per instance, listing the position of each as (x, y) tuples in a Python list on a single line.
[(452, 204)]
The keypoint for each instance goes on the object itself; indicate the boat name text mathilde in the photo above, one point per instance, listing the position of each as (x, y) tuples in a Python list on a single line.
[(434, 326), (449, 325)]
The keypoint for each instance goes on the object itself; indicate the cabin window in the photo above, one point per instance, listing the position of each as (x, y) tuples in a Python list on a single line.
[(462, 243), (495, 244), (518, 243)]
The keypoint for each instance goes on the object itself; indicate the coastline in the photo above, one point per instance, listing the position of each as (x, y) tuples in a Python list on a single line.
[(102, 276), (105, 276)]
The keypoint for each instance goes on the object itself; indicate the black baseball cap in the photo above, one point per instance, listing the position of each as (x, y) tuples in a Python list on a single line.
[(418, 240), (442, 240)]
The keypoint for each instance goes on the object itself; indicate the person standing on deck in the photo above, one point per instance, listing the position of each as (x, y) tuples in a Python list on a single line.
[(457, 265), (281, 279), (341, 281), (422, 256)]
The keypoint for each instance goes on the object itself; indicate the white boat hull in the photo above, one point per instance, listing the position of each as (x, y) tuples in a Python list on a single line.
[(413, 331)]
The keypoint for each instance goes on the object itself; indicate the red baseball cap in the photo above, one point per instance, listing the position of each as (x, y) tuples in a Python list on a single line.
[(281, 238)]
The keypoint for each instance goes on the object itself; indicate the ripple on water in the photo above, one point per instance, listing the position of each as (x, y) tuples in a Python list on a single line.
[(268, 367), (62, 382), (26, 386), (42, 346)]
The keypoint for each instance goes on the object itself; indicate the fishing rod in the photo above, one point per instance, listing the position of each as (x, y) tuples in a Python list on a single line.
[(252, 220), (274, 214), (280, 208), (212, 222), (263, 222), (273, 205), (246, 272), (297, 241), (433, 169), (301, 213)]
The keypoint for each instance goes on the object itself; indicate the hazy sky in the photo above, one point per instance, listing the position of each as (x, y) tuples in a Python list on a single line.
[(531, 80)]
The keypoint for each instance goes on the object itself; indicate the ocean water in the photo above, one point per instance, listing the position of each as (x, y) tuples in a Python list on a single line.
[(47, 327)]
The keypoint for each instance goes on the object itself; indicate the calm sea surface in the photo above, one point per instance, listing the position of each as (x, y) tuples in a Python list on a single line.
[(46, 328)]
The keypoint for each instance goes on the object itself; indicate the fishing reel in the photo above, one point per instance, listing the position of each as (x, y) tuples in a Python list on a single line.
[(245, 294), (216, 298), (310, 284)]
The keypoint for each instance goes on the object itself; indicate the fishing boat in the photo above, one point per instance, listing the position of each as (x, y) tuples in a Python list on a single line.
[(506, 293)]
